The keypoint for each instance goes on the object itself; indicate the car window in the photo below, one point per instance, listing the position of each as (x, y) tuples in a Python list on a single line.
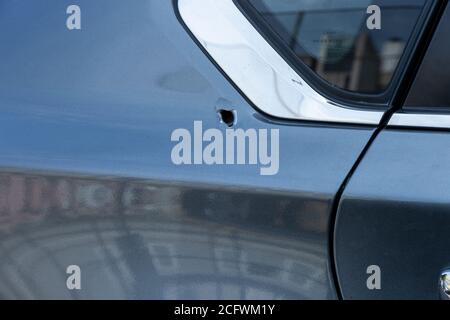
[(334, 39), (431, 88)]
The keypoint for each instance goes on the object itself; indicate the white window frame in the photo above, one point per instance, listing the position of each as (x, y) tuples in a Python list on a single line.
[(258, 70)]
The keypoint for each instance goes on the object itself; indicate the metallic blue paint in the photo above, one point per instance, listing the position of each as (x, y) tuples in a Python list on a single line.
[(395, 213), (87, 178)]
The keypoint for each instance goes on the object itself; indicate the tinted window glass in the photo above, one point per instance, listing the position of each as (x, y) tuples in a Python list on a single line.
[(333, 39), (431, 89)]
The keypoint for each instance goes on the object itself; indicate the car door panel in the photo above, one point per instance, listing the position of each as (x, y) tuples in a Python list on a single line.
[(394, 212), (87, 177), (396, 206)]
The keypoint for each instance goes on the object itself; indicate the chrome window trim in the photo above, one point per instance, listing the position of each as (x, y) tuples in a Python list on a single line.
[(267, 80), (420, 120)]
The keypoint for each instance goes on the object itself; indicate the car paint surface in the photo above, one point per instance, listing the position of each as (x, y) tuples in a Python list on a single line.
[(87, 178), (394, 213)]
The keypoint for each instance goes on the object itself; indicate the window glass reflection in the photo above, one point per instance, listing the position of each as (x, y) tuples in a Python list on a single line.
[(332, 38)]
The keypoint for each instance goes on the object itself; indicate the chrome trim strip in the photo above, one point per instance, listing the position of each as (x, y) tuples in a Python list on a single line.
[(420, 120), (257, 69)]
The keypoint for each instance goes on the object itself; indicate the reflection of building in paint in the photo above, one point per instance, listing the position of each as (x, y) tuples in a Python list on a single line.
[(27, 198), (31, 198), (185, 262), (142, 240), (144, 199)]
